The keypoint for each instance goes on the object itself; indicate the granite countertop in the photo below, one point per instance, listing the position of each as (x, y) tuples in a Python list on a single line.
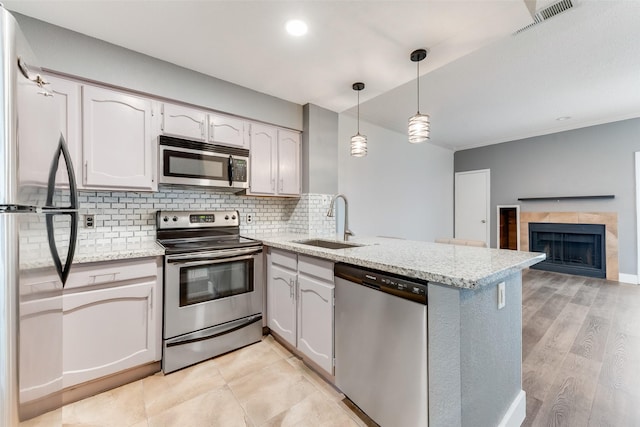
[(459, 266), (86, 253)]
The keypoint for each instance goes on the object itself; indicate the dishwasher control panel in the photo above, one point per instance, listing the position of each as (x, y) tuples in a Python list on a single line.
[(403, 287)]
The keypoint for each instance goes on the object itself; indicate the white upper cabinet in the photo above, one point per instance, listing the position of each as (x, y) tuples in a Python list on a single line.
[(275, 161), (184, 122), (66, 94), (117, 140), (288, 163), (227, 131), (263, 160)]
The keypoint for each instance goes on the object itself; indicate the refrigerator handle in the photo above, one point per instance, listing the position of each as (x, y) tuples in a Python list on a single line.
[(63, 271), (73, 187)]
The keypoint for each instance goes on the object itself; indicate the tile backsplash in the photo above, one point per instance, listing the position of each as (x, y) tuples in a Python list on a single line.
[(128, 217)]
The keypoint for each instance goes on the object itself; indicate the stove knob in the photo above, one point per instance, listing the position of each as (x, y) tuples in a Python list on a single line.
[(233, 217), (165, 219), (175, 218), (226, 217)]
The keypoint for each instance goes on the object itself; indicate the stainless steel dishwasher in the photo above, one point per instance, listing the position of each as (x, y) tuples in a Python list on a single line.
[(381, 344)]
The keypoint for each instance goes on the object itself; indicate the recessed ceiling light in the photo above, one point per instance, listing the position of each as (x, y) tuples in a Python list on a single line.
[(296, 27), (563, 118)]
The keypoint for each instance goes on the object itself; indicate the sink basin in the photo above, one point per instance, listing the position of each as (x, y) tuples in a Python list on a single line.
[(327, 244)]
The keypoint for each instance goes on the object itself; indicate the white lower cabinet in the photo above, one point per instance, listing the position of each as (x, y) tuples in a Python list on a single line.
[(300, 304), (281, 302), (112, 319)]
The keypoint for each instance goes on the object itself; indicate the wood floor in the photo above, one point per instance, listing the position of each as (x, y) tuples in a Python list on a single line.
[(580, 351)]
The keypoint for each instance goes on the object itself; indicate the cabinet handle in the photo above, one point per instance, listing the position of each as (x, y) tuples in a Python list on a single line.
[(281, 184), (86, 167), (291, 288), (273, 184), (202, 129)]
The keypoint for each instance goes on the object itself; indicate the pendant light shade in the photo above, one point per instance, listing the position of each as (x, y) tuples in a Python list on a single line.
[(358, 142), (419, 125)]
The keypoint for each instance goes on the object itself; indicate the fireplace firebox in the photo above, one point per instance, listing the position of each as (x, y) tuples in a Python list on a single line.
[(571, 248)]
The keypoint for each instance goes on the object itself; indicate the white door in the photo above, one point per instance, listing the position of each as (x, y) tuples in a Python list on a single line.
[(226, 130), (184, 122), (116, 144), (67, 96), (472, 192), (315, 320), (107, 331), (262, 176), (281, 302), (288, 163)]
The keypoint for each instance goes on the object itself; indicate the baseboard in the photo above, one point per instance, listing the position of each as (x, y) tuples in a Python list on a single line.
[(516, 413), (628, 278)]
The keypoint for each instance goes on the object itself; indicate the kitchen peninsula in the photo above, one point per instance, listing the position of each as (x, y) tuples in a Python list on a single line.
[(474, 348)]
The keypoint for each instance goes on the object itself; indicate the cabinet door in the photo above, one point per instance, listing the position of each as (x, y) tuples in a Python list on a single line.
[(281, 302), (117, 145), (67, 95), (40, 356), (226, 130), (107, 331), (315, 320), (262, 176), (184, 122), (288, 163)]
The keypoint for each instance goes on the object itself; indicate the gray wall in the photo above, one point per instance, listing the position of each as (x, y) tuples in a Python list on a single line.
[(76, 54), (319, 150), (399, 189), (589, 161)]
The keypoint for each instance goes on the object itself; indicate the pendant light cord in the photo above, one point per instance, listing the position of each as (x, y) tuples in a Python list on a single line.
[(418, 80), (358, 112)]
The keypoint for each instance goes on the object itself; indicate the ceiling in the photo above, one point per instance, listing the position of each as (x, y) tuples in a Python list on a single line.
[(480, 84)]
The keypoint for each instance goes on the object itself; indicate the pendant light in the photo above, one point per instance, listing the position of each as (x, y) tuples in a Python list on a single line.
[(358, 142), (419, 125)]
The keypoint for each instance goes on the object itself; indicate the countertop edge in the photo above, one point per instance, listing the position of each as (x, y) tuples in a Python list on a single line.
[(453, 281)]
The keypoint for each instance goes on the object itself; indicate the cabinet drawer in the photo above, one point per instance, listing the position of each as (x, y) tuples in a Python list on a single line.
[(108, 272), (284, 258), (316, 267)]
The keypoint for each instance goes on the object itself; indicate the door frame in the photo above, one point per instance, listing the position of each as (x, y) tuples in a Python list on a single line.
[(498, 207), (637, 276), (488, 213)]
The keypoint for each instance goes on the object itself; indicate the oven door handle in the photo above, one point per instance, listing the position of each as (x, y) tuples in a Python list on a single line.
[(218, 331), (226, 255), (191, 262)]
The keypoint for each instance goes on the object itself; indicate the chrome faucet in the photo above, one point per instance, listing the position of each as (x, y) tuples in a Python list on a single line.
[(330, 214)]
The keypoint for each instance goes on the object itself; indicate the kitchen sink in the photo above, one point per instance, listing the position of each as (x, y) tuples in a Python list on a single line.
[(327, 244)]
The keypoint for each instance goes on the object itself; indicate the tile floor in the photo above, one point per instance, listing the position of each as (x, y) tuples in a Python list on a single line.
[(259, 385)]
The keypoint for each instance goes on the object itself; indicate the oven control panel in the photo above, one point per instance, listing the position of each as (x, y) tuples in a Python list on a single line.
[(202, 218), (181, 219)]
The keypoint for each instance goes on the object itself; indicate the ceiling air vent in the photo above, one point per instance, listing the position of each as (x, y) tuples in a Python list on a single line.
[(548, 12)]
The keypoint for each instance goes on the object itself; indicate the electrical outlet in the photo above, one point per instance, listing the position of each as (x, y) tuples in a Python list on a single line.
[(250, 218), (89, 221), (502, 297)]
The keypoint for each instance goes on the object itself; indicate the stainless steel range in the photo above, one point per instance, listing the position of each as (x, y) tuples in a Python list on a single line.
[(213, 286)]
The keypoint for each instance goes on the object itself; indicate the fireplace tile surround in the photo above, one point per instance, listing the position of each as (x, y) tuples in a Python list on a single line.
[(609, 219)]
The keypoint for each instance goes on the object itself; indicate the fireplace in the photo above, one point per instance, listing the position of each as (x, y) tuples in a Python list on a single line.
[(570, 248)]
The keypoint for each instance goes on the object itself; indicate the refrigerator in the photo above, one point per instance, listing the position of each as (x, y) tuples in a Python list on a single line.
[(38, 230)]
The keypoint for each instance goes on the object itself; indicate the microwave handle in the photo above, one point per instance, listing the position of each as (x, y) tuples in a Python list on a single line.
[(230, 170)]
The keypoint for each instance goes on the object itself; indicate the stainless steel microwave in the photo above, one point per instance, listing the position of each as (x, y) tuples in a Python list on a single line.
[(199, 164)]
